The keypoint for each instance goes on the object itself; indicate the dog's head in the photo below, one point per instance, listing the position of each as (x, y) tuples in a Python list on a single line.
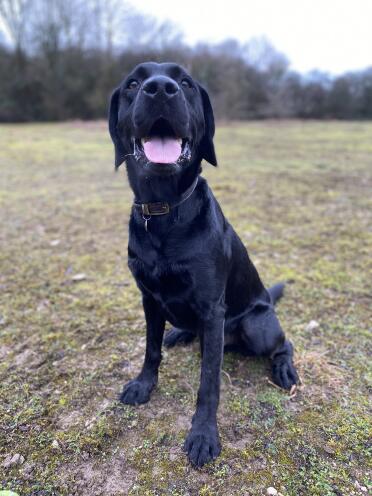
[(161, 121)]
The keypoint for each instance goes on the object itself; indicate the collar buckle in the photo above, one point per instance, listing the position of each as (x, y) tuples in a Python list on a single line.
[(158, 208), (162, 208)]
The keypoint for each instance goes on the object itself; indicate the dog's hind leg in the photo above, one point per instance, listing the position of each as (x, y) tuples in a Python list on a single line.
[(178, 337), (263, 336)]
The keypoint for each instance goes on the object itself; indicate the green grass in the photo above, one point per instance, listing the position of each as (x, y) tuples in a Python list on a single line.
[(299, 195)]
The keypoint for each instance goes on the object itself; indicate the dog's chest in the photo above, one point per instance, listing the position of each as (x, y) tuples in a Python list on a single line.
[(172, 285), (163, 280)]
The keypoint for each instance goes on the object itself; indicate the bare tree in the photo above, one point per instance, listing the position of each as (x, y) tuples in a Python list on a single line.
[(14, 14), (108, 24), (261, 54), (146, 32), (60, 24)]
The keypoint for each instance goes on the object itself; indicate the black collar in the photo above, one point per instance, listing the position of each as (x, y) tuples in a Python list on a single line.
[(162, 208)]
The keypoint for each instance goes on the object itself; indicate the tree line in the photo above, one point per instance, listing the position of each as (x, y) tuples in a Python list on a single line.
[(60, 59)]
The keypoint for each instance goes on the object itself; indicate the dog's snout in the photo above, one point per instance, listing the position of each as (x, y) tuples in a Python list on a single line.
[(160, 85)]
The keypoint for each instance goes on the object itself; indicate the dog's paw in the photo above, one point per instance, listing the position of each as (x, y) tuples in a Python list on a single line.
[(284, 372), (136, 392), (177, 336), (202, 445)]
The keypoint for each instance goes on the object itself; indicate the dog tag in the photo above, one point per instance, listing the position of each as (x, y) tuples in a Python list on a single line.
[(146, 219)]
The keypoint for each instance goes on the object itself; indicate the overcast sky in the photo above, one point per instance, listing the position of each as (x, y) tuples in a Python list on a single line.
[(330, 35)]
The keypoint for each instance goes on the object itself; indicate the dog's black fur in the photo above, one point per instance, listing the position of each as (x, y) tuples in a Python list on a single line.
[(190, 265)]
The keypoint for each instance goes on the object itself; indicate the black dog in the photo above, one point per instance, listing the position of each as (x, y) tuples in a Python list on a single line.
[(190, 265)]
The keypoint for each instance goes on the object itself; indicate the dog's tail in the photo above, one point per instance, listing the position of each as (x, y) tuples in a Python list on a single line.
[(276, 292)]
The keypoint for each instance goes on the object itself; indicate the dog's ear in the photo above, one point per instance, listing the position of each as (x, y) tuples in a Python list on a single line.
[(207, 145), (113, 122)]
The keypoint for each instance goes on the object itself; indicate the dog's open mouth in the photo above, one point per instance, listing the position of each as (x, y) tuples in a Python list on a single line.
[(162, 145)]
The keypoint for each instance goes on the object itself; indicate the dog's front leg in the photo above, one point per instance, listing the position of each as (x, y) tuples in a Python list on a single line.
[(138, 390), (202, 443)]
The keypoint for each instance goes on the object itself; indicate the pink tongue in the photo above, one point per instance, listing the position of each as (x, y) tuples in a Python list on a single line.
[(162, 150)]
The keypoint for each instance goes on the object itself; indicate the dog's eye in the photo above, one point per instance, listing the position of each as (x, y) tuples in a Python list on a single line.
[(186, 83), (133, 84)]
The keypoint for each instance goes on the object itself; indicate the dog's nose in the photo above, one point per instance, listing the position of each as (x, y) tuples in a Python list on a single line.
[(160, 85)]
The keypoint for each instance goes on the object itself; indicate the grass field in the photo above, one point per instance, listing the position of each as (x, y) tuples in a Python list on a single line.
[(72, 329)]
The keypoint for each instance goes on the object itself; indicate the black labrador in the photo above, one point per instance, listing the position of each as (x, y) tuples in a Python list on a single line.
[(190, 265)]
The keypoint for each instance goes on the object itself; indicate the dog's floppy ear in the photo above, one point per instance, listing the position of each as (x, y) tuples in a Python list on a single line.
[(207, 146), (113, 121)]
